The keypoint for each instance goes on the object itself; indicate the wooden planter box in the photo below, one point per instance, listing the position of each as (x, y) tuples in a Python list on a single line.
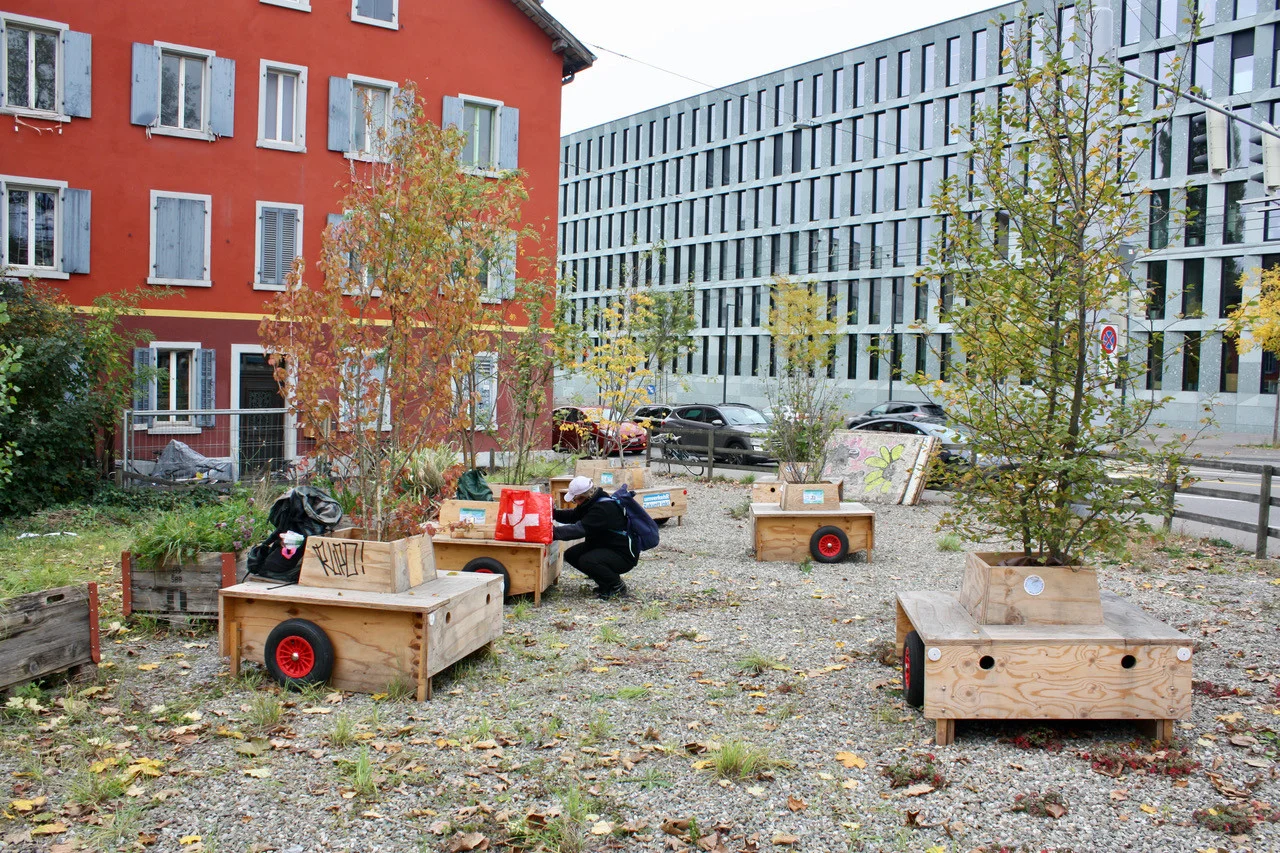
[(660, 502), (607, 474), (528, 567), (793, 535), (809, 496), (1029, 595), (769, 490), (345, 560), (176, 592), (47, 632)]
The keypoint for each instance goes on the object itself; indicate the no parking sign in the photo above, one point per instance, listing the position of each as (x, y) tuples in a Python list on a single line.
[(1110, 339)]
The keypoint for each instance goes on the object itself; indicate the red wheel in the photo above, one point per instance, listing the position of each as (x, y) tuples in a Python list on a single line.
[(490, 566), (829, 544), (295, 657), (298, 652)]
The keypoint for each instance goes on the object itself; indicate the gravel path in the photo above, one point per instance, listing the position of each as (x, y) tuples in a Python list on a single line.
[(595, 724)]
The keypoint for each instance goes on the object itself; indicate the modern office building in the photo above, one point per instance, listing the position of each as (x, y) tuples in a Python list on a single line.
[(197, 149), (825, 171)]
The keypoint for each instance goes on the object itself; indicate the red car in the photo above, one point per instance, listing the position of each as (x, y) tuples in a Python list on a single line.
[(595, 430)]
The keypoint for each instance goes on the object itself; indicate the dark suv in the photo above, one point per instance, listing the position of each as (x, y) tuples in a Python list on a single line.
[(651, 416), (901, 409), (737, 427)]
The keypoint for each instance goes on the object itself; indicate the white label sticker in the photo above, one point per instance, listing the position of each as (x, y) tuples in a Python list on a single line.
[(934, 653), (1184, 654), (1034, 584), (471, 514), (606, 479), (657, 500), (813, 496)]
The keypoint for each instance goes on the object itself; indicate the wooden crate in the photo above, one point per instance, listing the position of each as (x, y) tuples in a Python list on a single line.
[(783, 535), (608, 475), (769, 490), (46, 632), (378, 638), (661, 502), (345, 560), (1043, 595), (176, 592), (532, 567), (809, 497), (1127, 667)]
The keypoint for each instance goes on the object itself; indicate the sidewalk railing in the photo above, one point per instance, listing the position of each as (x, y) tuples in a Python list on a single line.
[(1262, 529)]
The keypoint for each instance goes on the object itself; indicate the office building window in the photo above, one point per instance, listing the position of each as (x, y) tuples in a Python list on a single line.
[(859, 84), (882, 78), (1191, 361), (1166, 17), (1161, 149), (979, 55), (1196, 214), (1155, 361), (1157, 293), (1245, 8), (1229, 371), (953, 60), (1233, 218), (1193, 287), (927, 69), (1242, 62), (1232, 286), (1158, 220)]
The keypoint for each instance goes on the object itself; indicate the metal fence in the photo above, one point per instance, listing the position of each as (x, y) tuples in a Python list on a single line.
[(170, 448)]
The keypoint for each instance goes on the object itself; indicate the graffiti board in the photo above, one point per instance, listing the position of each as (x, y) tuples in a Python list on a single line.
[(879, 467)]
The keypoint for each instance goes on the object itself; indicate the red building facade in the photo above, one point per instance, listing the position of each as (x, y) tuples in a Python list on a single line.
[(190, 151)]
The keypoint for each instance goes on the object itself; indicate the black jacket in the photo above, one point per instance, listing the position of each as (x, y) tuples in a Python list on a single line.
[(600, 520)]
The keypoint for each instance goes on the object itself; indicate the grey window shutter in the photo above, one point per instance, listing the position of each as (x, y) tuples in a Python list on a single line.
[(4, 90), (77, 64), (509, 138), (452, 115), (144, 389), (207, 361), (75, 230), (288, 241), (382, 10), (340, 92), (222, 96), (180, 239), (144, 93), (269, 261), (400, 112)]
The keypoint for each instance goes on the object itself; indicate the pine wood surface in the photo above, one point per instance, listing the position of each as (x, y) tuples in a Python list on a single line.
[(344, 560), (999, 595)]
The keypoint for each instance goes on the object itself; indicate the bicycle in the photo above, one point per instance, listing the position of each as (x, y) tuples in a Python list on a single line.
[(673, 452)]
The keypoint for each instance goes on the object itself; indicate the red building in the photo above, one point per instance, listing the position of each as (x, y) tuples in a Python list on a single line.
[(196, 148)]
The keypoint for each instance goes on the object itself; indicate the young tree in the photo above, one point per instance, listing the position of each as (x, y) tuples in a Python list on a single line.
[(369, 355), (805, 402), (665, 330), (10, 363), (1257, 323), (1032, 250)]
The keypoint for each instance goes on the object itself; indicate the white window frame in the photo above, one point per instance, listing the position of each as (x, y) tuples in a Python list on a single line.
[(495, 144), (206, 86), (357, 81), (258, 284), (299, 106), (170, 424), (8, 182), (60, 68), (393, 24), (299, 5), (156, 195)]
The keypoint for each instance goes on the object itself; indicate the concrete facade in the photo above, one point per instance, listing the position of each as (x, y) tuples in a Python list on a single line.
[(824, 171)]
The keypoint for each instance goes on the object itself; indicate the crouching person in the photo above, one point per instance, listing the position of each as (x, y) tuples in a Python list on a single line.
[(606, 552)]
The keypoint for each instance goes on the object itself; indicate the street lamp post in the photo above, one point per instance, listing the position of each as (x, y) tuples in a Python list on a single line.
[(724, 347)]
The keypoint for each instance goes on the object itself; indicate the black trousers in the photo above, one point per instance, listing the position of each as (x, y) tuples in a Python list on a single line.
[(602, 565)]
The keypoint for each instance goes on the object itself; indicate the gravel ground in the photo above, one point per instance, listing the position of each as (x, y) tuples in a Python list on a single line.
[(601, 726)]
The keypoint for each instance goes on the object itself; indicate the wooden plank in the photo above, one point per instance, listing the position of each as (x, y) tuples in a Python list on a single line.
[(944, 732), (938, 618), (1084, 680), (423, 641), (479, 513), (527, 563), (1016, 595), (177, 590), (126, 583), (343, 560), (766, 491), (42, 633), (425, 597), (471, 620), (1137, 625), (784, 536), (95, 648)]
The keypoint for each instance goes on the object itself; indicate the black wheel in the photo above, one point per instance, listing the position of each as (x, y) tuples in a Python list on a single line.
[(490, 566), (913, 669), (829, 544), (661, 521), (298, 652)]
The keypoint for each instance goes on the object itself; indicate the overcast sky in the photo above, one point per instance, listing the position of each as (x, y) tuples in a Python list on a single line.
[(717, 42)]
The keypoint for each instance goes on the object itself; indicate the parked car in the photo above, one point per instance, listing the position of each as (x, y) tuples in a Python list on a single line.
[(595, 430), (901, 409), (652, 416), (737, 427), (955, 443)]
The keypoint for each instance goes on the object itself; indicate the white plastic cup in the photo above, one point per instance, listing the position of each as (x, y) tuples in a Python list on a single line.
[(290, 542)]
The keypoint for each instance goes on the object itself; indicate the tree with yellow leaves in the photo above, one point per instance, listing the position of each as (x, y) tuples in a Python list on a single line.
[(1257, 323)]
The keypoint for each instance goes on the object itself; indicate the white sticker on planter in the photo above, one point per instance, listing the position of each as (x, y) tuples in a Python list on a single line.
[(1184, 654), (813, 496), (1034, 584), (934, 653)]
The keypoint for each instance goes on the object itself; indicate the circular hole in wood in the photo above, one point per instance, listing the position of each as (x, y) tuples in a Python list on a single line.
[(987, 662), (448, 617), (1128, 661)]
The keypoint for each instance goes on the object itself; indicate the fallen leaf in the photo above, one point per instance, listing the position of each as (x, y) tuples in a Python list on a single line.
[(851, 761), (1055, 810), (468, 841), (258, 772), (188, 840), (783, 838), (252, 748), (147, 667), (603, 827), (25, 806), (1148, 809), (918, 790), (54, 828), (796, 804)]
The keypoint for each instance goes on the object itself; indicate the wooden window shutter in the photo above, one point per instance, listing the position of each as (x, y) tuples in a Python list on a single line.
[(75, 230), (509, 138), (144, 389), (222, 96), (269, 260), (206, 363), (144, 93), (340, 92), (77, 65)]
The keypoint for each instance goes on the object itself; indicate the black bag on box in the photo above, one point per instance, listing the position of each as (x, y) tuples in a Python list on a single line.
[(304, 510)]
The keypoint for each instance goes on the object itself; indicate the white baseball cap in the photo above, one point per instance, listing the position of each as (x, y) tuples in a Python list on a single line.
[(578, 487)]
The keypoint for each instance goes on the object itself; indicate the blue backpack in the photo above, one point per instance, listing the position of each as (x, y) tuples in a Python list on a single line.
[(641, 529)]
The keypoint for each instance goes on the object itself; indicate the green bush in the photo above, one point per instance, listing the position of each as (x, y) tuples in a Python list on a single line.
[(231, 525)]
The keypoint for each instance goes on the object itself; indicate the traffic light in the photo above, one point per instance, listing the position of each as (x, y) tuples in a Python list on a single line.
[(1208, 143), (1265, 150)]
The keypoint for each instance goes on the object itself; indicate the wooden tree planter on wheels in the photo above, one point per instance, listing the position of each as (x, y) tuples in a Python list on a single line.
[(810, 520), (525, 567), (363, 616), (1039, 642)]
